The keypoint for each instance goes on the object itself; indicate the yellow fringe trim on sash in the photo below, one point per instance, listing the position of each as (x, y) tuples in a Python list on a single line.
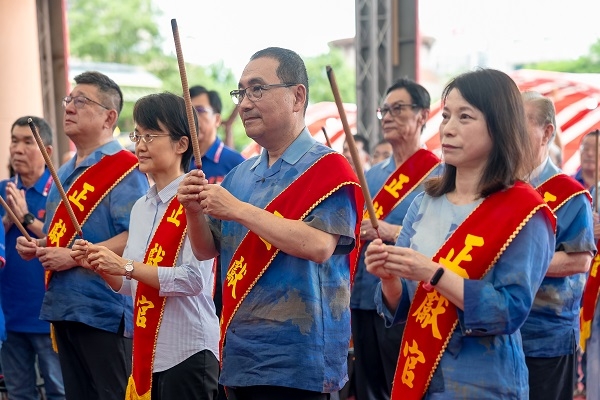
[(131, 393), (53, 338)]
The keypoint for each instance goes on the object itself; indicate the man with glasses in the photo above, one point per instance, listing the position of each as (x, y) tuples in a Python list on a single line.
[(393, 184), (217, 159), (284, 225), (92, 324)]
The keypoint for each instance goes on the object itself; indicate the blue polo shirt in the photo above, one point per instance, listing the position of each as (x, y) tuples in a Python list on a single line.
[(80, 295), (218, 161), (22, 282)]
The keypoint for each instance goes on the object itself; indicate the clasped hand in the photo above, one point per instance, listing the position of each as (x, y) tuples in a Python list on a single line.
[(97, 258), (198, 196), (389, 262)]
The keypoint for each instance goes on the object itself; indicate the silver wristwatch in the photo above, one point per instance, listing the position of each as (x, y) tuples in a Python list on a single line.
[(128, 269)]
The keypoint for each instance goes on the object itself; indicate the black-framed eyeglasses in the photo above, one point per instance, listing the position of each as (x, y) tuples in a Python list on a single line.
[(395, 109), (255, 92), (147, 137), (80, 101)]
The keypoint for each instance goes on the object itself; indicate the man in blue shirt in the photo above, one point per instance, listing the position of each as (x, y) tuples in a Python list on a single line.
[(217, 159), (376, 347), (92, 324), (289, 337), (551, 331), (22, 282)]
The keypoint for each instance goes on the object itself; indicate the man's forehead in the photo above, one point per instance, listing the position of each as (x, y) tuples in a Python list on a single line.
[(260, 71), (84, 89), (21, 131)]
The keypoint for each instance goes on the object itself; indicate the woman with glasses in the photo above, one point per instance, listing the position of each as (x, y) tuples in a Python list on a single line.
[(472, 253), (176, 331), (393, 185)]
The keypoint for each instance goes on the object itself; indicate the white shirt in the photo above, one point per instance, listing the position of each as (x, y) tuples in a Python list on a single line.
[(189, 323)]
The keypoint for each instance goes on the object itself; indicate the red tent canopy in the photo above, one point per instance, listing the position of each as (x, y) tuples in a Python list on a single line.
[(576, 98)]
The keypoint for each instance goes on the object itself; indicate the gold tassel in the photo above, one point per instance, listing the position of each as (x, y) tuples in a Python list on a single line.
[(584, 334), (53, 338), (131, 393)]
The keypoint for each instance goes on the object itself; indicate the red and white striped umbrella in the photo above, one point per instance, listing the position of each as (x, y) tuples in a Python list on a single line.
[(576, 98)]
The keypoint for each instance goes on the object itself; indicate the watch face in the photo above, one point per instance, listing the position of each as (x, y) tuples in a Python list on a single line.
[(28, 219)]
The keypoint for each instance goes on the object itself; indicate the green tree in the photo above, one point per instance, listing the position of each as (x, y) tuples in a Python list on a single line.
[(125, 32), (589, 63), (345, 77)]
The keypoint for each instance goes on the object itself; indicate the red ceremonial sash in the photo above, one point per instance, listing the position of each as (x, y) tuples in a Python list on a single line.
[(432, 318), (589, 300), (403, 181), (556, 192), (149, 306), (559, 189), (254, 254), (86, 192)]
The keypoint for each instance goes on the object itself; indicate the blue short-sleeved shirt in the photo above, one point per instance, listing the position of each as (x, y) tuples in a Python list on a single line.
[(552, 328), (364, 282), (293, 329), (218, 161), (78, 294), (484, 357), (22, 282)]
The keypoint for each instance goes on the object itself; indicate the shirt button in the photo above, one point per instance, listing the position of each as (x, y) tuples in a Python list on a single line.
[(468, 331)]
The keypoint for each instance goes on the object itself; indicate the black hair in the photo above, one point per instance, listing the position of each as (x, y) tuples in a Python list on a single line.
[(168, 109), (213, 97), (110, 92), (42, 127), (291, 66)]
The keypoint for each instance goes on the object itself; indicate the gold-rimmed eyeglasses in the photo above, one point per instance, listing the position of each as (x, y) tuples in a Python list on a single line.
[(146, 137), (255, 92)]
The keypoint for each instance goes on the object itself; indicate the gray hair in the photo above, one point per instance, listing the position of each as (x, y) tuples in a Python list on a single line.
[(544, 109)]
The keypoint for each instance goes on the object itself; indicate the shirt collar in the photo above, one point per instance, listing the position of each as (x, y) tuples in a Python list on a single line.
[(538, 170), (107, 149), (299, 147), (212, 150), (39, 185), (167, 193)]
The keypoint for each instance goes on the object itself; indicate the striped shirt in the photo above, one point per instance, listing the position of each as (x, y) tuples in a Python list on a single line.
[(189, 323)]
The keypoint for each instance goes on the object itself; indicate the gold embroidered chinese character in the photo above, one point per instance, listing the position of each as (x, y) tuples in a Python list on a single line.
[(156, 255), (236, 273), (378, 211), (454, 264), (143, 305), (76, 198), (57, 232), (174, 217), (595, 264), (427, 313), (396, 185), (277, 214), (408, 376), (549, 197)]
